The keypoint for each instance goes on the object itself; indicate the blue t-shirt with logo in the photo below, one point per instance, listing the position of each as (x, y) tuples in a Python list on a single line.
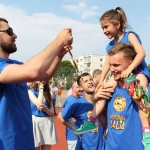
[(35, 111), (69, 133), (143, 66), (16, 131), (124, 125), (81, 110)]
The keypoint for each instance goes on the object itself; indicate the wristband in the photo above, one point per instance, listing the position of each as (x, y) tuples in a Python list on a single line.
[(41, 88)]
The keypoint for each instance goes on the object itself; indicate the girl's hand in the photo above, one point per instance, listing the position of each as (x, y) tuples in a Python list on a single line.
[(40, 84), (125, 73), (104, 92), (100, 84), (42, 107)]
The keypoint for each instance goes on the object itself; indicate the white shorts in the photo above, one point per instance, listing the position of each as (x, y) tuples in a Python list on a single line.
[(71, 145)]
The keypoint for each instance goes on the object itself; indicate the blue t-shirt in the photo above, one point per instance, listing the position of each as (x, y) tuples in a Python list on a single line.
[(124, 125), (81, 110), (35, 111), (16, 131), (143, 66), (69, 133)]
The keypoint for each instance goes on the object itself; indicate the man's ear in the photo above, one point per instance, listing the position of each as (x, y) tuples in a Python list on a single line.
[(130, 62), (95, 76)]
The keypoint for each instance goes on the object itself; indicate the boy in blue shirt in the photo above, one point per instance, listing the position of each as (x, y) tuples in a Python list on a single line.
[(15, 113), (80, 110), (124, 125)]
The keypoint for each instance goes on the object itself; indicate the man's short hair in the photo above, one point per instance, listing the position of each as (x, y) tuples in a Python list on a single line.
[(74, 83), (80, 76), (125, 48), (74, 80), (4, 20), (96, 72)]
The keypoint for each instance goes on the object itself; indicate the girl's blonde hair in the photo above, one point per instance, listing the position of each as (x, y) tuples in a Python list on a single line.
[(114, 15)]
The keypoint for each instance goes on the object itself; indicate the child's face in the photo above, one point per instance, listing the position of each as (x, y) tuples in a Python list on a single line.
[(109, 29)]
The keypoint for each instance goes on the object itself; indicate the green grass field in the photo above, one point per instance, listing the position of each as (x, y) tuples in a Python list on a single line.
[(64, 92)]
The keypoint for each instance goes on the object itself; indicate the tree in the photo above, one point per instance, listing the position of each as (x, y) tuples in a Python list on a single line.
[(149, 67), (64, 73)]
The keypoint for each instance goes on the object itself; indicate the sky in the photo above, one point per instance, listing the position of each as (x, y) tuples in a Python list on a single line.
[(37, 23)]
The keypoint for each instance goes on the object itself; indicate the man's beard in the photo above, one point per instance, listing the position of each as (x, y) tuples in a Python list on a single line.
[(8, 48)]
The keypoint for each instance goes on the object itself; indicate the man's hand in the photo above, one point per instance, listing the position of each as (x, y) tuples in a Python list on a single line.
[(67, 123), (65, 37), (64, 50), (104, 93)]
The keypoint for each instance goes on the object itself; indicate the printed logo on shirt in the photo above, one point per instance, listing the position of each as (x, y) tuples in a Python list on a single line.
[(119, 103), (88, 115), (117, 122)]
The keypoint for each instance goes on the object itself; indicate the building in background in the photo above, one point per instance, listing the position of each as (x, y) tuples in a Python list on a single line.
[(88, 63)]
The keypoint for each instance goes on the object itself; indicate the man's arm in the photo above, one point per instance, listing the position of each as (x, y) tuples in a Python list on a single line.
[(66, 122), (52, 70), (104, 93), (54, 67), (38, 65)]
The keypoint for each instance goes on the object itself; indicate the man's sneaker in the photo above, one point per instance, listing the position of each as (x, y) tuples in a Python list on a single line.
[(86, 127), (146, 141)]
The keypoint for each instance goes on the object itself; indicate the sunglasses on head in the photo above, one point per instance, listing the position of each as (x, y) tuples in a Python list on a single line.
[(9, 31)]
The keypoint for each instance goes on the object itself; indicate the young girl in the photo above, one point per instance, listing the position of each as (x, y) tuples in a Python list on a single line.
[(114, 23), (42, 112)]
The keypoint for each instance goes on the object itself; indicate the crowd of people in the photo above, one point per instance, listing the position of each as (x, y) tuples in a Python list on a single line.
[(98, 114)]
